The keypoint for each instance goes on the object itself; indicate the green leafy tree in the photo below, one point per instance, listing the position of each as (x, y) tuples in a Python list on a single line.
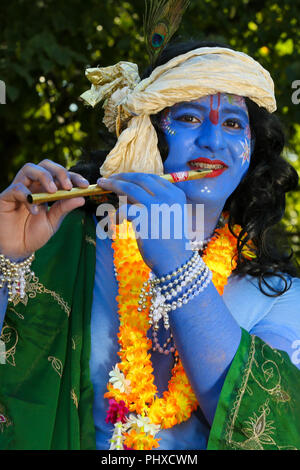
[(45, 45)]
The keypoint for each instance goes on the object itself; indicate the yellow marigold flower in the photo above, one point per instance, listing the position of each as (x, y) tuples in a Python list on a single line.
[(140, 441), (156, 411), (168, 421)]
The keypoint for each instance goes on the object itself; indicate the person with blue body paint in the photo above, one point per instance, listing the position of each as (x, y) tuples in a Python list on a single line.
[(237, 350)]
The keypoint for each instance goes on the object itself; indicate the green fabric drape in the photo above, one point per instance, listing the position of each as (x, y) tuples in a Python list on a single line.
[(259, 404), (46, 395)]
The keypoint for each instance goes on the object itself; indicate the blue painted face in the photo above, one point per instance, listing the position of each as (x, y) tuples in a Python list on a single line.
[(212, 132)]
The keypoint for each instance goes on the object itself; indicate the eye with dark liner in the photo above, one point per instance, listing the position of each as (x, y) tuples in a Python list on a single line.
[(188, 118), (234, 124)]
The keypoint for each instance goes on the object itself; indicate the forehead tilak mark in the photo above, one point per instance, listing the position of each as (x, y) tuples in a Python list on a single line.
[(214, 113)]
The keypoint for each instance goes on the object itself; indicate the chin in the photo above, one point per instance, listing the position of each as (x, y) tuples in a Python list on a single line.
[(213, 198)]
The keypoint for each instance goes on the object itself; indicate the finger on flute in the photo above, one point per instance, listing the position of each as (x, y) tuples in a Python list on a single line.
[(40, 198), (94, 189)]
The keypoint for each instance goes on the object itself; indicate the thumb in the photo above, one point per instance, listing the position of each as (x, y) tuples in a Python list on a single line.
[(60, 209)]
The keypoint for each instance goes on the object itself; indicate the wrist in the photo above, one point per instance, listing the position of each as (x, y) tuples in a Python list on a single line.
[(170, 264), (15, 256)]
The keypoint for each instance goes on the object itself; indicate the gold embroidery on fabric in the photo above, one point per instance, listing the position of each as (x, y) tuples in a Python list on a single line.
[(258, 429), (17, 313), (75, 341), (74, 398), (34, 287), (90, 240), (236, 405), (271, 374), (10, 337), (56, 364)]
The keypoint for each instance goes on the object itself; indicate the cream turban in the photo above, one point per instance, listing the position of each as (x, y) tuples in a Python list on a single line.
[(129, 102)]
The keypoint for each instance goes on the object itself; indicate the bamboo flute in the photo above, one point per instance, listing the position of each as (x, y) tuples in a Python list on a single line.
[(95, 190)]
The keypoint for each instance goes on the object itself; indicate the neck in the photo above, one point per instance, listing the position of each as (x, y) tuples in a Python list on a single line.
[(202, 221)]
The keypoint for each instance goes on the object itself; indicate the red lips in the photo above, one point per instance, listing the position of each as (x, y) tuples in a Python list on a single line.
[(207, 160), (215, 172)]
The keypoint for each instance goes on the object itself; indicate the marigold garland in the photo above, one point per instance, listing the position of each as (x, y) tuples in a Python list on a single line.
[(135, 367)]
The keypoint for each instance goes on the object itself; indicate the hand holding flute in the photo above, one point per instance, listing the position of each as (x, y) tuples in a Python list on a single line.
[(26, 223), (25, 227)]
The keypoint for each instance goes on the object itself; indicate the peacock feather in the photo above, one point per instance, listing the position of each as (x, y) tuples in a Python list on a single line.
[(162, 19)]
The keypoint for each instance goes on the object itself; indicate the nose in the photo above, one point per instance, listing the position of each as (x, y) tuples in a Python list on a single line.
[(211, 137)]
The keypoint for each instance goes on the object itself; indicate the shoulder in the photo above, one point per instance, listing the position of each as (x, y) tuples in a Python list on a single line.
[(250, 306)]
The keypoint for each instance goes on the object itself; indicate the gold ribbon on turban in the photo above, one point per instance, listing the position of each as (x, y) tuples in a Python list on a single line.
[(129, 102)]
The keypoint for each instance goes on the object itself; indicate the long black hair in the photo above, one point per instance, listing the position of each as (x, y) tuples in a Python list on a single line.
[(258, 203)]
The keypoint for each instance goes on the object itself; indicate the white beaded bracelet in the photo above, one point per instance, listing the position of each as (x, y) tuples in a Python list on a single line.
[(177, 286), (185, 272), (13, 275), (198, 287), (192, 278), (177, 272), (194, 275), (160, 308)]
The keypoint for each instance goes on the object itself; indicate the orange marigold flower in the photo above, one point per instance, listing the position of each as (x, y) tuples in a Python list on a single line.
[(115, 393), (140, 441)]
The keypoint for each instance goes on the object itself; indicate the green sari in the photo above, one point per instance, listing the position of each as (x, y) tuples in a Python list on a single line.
[(46, 394)]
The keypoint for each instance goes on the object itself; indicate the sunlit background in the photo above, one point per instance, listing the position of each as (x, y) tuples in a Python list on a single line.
[(45, 45)]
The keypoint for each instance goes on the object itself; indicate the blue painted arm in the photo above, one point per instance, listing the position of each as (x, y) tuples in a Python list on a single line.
[(3, 304), (207, 338)]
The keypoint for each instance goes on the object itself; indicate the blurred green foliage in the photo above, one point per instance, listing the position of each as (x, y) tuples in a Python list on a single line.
[(45, 45)]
